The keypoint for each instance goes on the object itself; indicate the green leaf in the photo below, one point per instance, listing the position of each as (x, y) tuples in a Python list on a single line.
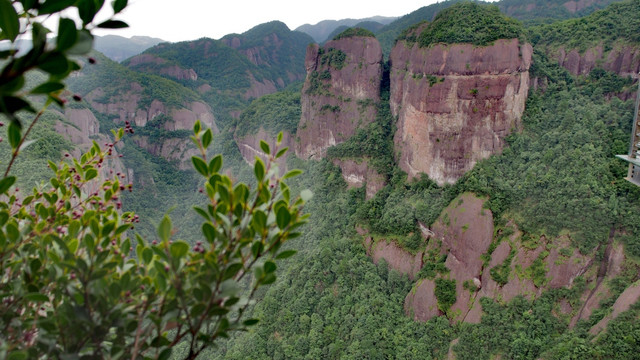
[(83, 45), (67, 34), (286, 254), (279, 139), (200, 165), (18, 355), (232, 270), (36, 297), (250, 322), (282, 152), (207, 137), (258, 169), (9, 22), (122, 228), (90, 174), (48, 87), (196, 127), (215, 164), (119, 5), (87, 9), (147, 255), (164, 229), (178, 249), (292, 173), (166, 353), (283, 217), (209, 232), (54, 6), (202, 213), (229, 288), (257, 248), (14, 134), (55, 63), (28, 4), (6, 183), (13, 104), (265, 147), (113, 24), (269, 267)]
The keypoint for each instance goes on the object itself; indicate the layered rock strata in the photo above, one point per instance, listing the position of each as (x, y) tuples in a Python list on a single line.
[(339, 93), (455, 103)]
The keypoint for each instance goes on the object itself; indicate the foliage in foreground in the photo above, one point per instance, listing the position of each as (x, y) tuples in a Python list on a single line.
[(69, 264)]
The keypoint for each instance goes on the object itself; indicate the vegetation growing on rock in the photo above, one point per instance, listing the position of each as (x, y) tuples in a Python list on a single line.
[(470, 23)]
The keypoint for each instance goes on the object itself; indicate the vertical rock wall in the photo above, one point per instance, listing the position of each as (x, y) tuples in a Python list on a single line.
[(339, 94), (456, 103)]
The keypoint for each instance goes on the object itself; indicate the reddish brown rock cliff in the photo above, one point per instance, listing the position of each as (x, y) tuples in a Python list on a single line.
[(357, 173), (623, 60), (338, 97), (456, 103)]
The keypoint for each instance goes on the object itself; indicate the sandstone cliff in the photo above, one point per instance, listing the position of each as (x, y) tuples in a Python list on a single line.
[(130, 106), (623, 60), (501, 264), (455, 103), (338, 97)]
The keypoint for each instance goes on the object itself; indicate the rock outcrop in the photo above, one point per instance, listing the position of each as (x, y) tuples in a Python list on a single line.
[(623, 60), (396, 257), (465, 231), (339, 94), (456, 103), (129, 106), (357, 173), (81, 128)]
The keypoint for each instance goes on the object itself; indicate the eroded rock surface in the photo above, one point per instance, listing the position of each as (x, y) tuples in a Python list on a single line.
[(623, 60), (456, 103), (357, 173), (339, 94)]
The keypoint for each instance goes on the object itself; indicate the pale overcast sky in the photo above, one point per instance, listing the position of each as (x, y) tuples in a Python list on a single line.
[(178, 20)]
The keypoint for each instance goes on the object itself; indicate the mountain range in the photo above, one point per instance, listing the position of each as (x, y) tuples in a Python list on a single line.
[(467, 203)]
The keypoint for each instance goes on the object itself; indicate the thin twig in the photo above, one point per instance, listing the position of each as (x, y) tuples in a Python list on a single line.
[(14, 155)]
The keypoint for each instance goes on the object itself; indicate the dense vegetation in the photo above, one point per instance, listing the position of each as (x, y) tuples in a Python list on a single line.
[(469, 22), (354, 31), (605, 27), (556, 177), (274, 113), (548, 10)]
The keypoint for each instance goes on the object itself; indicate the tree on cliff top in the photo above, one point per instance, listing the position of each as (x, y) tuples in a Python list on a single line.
[(469, 22), (74, 284)]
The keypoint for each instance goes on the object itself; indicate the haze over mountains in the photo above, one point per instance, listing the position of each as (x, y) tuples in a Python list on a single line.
[(467, 199)]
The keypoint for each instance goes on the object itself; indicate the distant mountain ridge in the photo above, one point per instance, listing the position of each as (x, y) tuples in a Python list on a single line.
[(119, 48), (321, 31)]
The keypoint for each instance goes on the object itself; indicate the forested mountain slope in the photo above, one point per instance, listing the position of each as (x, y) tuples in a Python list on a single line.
[(234, 69), (558, 252), (527, 251)]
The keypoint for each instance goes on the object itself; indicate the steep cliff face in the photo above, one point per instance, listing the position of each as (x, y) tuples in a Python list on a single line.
[(129, 106), (463, 233), (455, 103), (82, 128), (338, 97), (357, 173), (623, 60), (501, 264)]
